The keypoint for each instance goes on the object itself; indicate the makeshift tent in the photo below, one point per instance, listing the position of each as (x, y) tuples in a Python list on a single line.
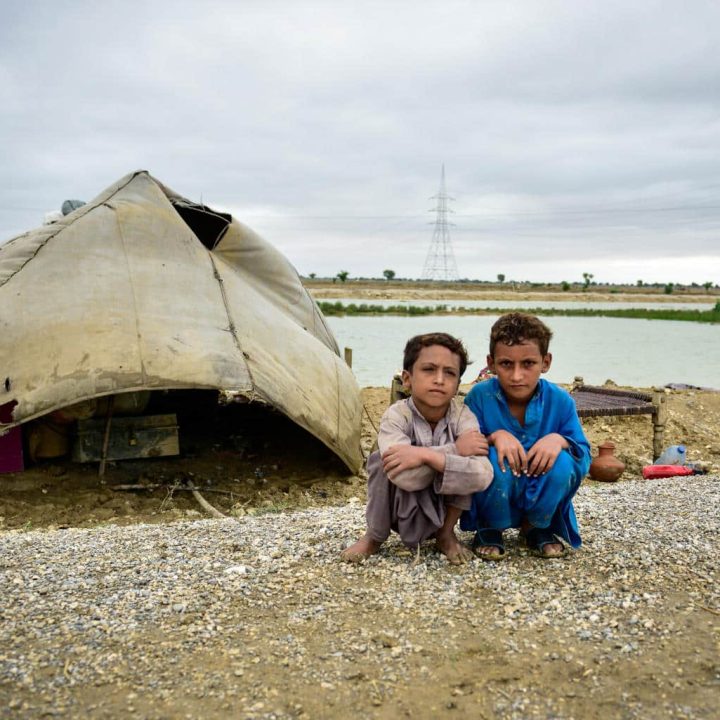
[(141, 289)]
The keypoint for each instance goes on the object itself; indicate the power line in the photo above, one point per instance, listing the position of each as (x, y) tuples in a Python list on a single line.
[(440, 261)]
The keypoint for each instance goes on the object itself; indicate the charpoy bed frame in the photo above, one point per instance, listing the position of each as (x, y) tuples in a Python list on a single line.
[(594, 401)]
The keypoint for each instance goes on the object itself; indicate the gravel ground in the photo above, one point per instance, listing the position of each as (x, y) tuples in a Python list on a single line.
[(257, 618)]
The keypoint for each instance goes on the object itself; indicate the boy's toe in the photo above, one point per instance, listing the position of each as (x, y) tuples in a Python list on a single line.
[(353, 557)]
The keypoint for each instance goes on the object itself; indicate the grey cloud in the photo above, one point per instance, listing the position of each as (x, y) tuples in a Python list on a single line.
[(565, 127)]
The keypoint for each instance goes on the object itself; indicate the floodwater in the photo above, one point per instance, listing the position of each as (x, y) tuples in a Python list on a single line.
[(638, 353)]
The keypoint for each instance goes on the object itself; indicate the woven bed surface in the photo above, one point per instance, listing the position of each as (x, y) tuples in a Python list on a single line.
[(591, 401)]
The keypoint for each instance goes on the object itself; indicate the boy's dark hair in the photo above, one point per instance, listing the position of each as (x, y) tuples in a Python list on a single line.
[(416, 344), (514, 328)]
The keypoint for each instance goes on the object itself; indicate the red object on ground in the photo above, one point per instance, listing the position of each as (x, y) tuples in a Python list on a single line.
[(650, 472)]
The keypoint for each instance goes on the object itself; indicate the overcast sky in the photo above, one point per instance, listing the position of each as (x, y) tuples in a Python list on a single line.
[(577, 136)]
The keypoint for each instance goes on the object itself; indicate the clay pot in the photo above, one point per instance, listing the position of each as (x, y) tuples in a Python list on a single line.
[(605, 466)]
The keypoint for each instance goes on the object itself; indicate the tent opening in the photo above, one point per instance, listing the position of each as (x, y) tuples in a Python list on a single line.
[(241, 438), (208, 225)]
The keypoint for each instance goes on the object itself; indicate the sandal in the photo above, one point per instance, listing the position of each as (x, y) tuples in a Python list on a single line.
[(538, 538), (489, 537)]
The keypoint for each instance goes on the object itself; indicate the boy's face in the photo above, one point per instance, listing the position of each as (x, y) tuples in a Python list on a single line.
[(433, 380), (518, 369)]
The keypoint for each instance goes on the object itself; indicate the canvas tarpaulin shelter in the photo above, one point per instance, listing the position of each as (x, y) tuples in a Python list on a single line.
[(141, 289)]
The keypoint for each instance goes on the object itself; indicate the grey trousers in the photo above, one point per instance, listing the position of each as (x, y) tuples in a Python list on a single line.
[(415, 516)]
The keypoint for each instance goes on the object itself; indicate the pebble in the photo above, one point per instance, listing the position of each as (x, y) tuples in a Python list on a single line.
[(118, 605)]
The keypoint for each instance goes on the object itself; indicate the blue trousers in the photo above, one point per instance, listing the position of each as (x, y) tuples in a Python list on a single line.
[(544, 501)]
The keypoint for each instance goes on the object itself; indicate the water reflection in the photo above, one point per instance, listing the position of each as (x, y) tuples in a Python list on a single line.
[(639, 353)]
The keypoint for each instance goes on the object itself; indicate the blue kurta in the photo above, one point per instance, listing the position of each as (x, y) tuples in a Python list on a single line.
[(546, 500)]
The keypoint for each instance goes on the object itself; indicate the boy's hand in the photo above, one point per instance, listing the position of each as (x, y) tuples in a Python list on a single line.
[(509, 448), (402, 457), (472, 442), (543, 454)]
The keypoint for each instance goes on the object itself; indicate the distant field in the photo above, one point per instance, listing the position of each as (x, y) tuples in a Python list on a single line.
[(456, 291)]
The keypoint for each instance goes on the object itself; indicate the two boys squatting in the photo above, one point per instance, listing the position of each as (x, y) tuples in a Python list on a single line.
[(434, 464)]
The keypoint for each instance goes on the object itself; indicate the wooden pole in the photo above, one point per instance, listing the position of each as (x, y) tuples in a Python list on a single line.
[(106, 437), (659, 418)]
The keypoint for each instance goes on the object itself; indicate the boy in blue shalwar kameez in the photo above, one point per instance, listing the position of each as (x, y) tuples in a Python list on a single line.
[(538, 450)]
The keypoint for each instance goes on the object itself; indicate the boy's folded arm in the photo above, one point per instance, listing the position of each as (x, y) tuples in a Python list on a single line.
[(393, 431), (464, 475), (453, 474), (418, 478)]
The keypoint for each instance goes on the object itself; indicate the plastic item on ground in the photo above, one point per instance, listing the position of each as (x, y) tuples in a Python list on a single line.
[(673, 455), (651, 472)]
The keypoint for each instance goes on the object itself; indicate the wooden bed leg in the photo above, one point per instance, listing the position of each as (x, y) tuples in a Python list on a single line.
[(396, 389), (659, 418)]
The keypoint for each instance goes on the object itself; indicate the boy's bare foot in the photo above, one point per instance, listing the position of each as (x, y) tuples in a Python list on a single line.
[(452, 548), (361, 550)]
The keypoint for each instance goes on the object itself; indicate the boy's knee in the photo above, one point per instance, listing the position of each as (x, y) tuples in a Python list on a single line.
[(564, 464), (374, 464), (563, 470), (549, 491), (501, 478), (378, 481)]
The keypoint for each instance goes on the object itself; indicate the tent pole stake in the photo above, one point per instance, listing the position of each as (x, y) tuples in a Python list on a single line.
[(106, 438)]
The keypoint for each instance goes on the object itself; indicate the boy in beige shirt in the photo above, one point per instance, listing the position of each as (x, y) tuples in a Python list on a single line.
[(431, 455)]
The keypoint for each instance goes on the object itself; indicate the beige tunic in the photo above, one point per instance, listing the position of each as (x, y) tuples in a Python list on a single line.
[(413, 503)]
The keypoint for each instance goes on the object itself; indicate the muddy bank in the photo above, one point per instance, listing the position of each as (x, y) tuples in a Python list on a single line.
[(260, 463), (457, 292)]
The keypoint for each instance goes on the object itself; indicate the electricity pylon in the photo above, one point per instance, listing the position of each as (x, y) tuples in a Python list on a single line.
[(440, 260)]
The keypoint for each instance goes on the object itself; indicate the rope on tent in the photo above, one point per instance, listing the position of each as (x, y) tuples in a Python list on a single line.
[(369, 417)]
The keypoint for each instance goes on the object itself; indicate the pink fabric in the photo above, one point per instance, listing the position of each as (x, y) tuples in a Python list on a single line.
[(11, 451)]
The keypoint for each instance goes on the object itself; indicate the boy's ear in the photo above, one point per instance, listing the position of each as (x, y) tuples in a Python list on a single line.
[(490, 362), (405, 376), (547, 362)]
